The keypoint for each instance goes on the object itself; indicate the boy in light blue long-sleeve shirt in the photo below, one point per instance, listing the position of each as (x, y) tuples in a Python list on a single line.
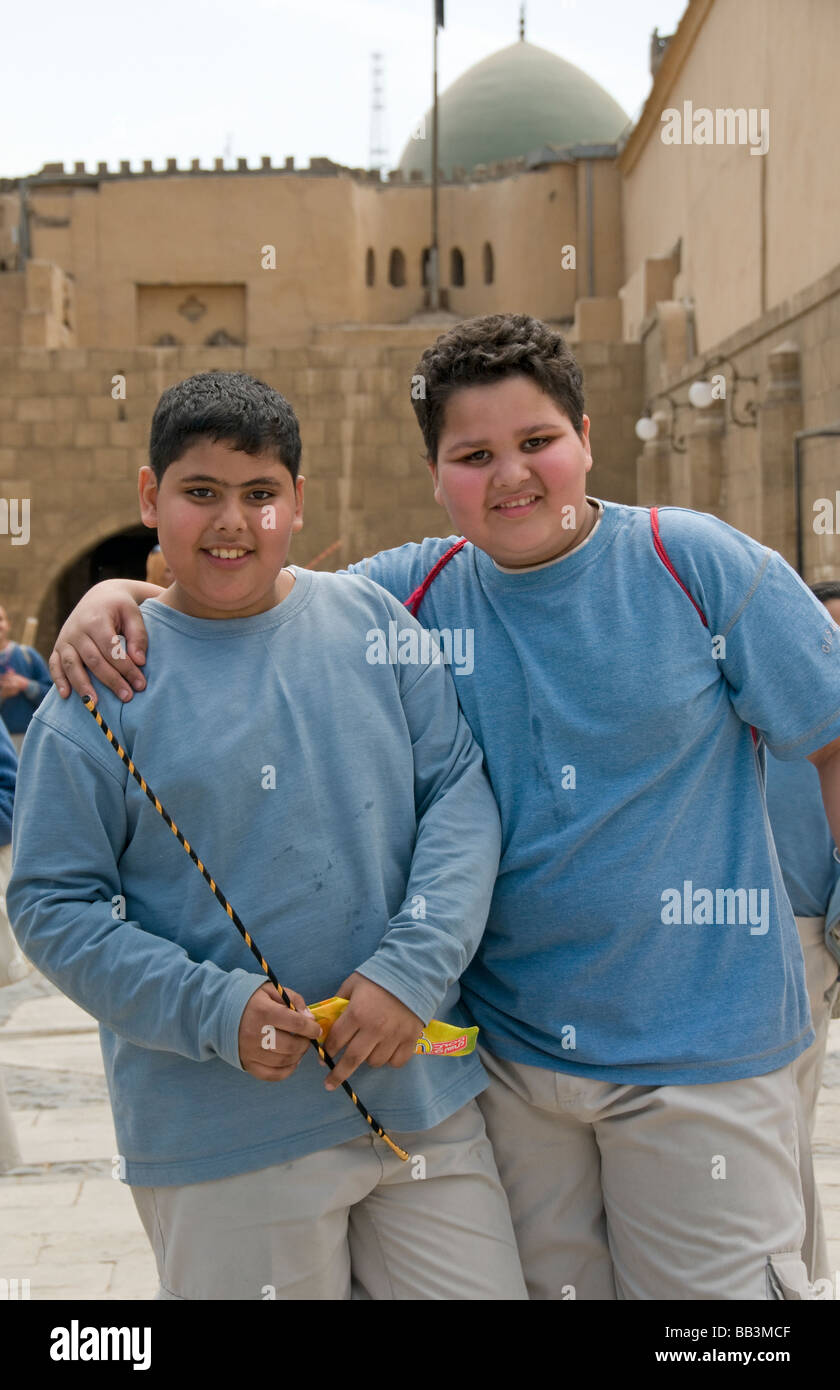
[(344, 811)]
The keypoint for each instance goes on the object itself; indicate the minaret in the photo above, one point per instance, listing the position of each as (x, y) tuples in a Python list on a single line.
[(522, 22)]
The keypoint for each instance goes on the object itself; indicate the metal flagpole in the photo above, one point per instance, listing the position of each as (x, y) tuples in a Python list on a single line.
[(434, 263)]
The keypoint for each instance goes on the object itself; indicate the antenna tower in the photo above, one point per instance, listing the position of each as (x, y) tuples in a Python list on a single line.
[(378, 154)]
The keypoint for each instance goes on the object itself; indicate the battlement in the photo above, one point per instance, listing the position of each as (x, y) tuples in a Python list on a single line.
[(81, 175), (319, 167)]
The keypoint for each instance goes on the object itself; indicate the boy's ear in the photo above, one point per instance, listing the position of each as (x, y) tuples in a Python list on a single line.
[(147, 489), (297, 524), (432, 467), (586, 442)]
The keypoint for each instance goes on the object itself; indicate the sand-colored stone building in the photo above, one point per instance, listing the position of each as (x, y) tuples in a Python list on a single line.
[(714, 258)]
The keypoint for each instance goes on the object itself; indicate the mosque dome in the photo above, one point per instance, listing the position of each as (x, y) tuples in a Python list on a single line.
[(511, 103)]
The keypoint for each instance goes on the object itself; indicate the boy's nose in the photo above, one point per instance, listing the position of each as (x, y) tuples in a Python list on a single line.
[(230, 515), (510, 471)]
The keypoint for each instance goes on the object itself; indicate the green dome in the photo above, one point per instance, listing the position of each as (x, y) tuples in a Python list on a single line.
[(511, 103)]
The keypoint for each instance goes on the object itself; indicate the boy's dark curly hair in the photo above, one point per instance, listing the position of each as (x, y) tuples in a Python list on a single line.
[(826, 590), (487, 349)]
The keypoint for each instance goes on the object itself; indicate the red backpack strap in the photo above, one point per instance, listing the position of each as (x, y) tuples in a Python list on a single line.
[(412, 603), (666, 560)]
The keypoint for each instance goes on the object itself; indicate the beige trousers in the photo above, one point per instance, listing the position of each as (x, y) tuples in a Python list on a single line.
[(650, 1192), (353, 1221), (821, 978)]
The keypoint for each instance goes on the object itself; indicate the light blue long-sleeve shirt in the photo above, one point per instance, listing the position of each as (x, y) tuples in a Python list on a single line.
[(640, 932), (342, 808)]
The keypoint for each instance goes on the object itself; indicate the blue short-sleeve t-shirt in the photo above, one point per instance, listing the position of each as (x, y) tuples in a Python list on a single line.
[(639, 931)]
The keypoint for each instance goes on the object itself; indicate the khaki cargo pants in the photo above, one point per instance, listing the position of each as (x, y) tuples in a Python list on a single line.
[(352, 1221), (651, 1192)]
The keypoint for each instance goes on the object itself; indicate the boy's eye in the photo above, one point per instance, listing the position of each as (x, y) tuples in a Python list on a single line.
[(256, 494), (481, 455)]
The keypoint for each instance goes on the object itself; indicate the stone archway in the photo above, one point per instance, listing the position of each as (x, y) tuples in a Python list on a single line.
[(109, 553)]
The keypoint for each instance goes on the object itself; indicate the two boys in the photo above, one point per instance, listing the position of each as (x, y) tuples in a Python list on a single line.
[(639, 985), (328, 799)]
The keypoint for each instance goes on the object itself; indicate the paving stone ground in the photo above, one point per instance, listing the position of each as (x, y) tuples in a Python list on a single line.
[(73, 1231)]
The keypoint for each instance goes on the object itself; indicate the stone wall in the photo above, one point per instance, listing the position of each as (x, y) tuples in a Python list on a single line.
[(755, 229), (745, 473), (73, 450), (305, 249)]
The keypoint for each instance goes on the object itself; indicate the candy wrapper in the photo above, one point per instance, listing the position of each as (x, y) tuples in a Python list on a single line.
[(436, 1040)]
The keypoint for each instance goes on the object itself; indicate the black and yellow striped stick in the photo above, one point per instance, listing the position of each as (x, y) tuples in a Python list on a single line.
[(235, 918)]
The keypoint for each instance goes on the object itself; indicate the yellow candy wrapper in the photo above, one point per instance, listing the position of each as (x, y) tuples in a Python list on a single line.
[(436, 1040)]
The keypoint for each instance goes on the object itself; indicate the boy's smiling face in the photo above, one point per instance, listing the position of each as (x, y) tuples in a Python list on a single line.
[(509, 462), (214, 498)]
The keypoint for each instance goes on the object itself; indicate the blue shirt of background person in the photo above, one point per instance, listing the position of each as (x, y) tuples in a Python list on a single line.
[(24, 680), (804, 842), (8, 773)]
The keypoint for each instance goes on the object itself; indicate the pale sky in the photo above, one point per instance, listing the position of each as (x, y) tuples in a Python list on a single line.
[(205, 78)]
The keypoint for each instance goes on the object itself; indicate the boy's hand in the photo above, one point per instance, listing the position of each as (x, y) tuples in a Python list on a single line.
[(89, 644), (11, 683), (272, 1038), (374, 1028)]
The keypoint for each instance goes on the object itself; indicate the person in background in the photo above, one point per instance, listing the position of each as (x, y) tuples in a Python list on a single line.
[(811, 872), (12, 965), (24, 681), (157, 570)]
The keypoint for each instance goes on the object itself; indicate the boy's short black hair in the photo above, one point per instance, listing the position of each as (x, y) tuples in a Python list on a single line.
[(224, 406), (487, 349), (826, 589)]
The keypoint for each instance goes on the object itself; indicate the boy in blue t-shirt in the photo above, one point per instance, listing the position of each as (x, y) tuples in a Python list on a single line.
[(639, 985), (344, 812)]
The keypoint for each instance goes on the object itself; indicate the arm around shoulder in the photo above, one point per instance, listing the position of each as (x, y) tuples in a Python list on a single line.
[(89, 641)]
